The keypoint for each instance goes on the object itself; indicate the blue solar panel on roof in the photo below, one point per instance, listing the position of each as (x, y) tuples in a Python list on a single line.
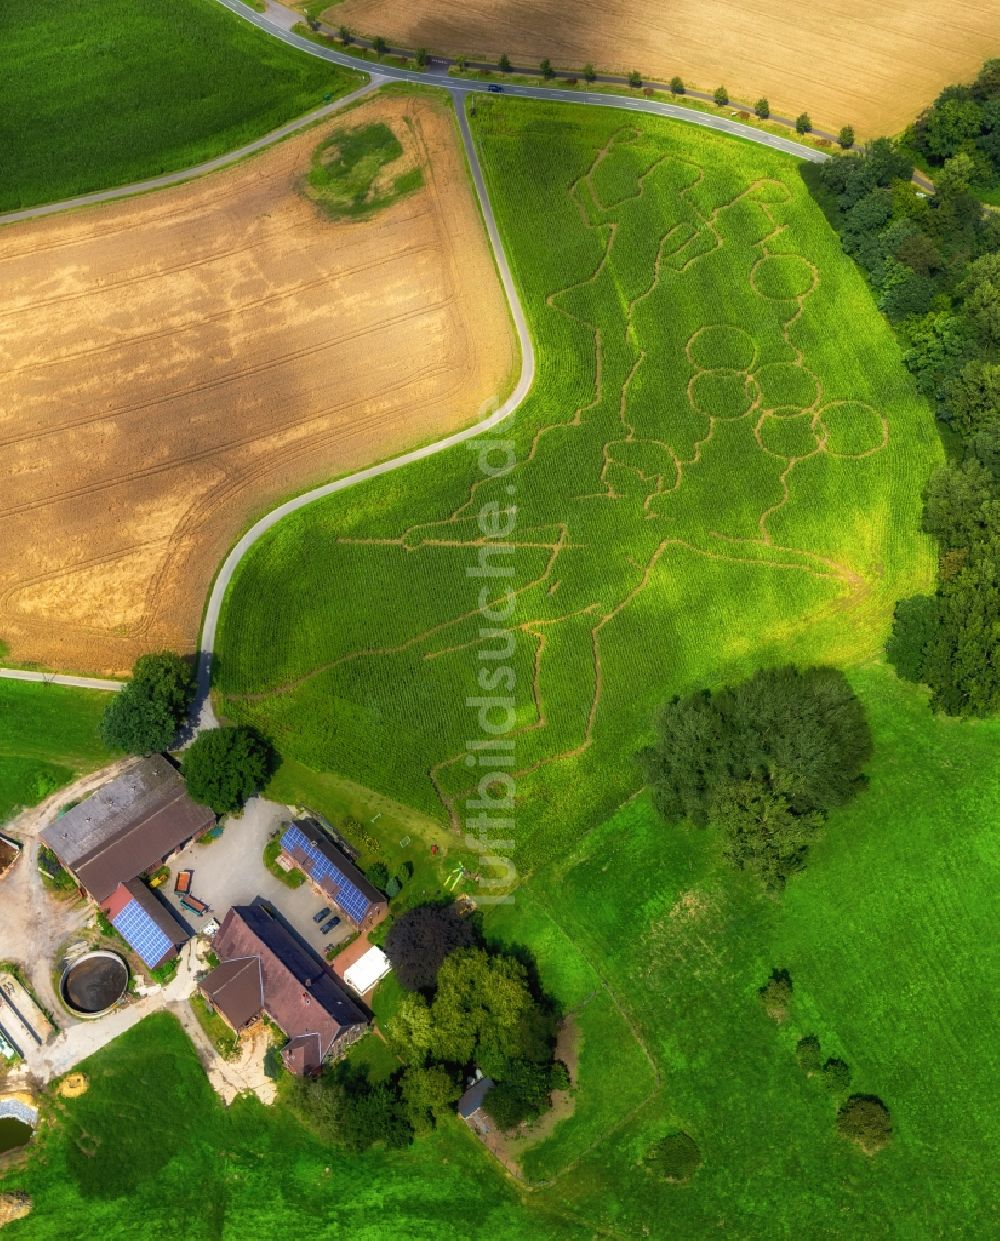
[(350, 898), (135, 926)]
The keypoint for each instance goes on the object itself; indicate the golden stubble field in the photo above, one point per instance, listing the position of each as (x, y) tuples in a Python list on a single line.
[(872, 64), (176, 364)]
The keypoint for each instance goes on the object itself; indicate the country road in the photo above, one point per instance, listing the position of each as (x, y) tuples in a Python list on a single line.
[(277, 22), (279, 19)]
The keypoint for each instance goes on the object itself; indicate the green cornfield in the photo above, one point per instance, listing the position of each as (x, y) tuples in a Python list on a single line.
[(101, 93)]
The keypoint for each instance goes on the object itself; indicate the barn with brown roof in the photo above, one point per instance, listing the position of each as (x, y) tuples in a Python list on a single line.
[(130, 825), (264, 968)]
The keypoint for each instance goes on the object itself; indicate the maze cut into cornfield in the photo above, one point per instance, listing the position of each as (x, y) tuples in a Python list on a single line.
[(719, 466)]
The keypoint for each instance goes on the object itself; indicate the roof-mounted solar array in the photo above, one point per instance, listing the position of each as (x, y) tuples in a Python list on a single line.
[(139, 930), (350, 898)]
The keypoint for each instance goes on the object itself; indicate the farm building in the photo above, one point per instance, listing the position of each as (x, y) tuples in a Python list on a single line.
[(264, 968), (127, 827), (306, 845), (470, 1105), (145, 923)]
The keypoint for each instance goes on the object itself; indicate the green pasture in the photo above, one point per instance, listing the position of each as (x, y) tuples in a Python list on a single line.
[(150, 1151), (719, 467), (48, 735), (889, 938), (101, 93)]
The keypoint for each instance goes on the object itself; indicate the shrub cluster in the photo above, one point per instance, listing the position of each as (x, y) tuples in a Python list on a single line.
[(675, 1157), (776, 995)]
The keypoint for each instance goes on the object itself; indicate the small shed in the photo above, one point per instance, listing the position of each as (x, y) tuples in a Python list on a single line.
[(470, 1105)]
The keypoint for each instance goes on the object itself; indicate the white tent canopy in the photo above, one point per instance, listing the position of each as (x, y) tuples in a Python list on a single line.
[(367, 970)]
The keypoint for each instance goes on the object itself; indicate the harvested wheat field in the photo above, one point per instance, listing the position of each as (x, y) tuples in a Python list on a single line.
[(175, 364), (872, 64)]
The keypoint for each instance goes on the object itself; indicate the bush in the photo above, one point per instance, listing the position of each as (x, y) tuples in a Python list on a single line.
[(224, 767), (846, 137), (635, 78), (421, 58), (865, 1120), (762, 108), (346, 37), (146, 715), (546, 68), (776, 995), (378, 875), (802, 123), (676, 86), (676, 1157), (504, 63), (721, 96), (836, 1076), (807, 1053), (379, 45), (589, 72)]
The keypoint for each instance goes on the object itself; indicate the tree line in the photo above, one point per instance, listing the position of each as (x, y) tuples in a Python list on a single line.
[(934, 264)]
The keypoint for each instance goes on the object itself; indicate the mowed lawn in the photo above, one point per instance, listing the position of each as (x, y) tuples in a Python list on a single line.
[(889, 937), (719, 467), (48, 735), (150, 1151), (100, 93)]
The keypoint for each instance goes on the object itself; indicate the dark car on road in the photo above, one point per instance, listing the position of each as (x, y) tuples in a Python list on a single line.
[(334, 921), (322, 914), (496, 88)]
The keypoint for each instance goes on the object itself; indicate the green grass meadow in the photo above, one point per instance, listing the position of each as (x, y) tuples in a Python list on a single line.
[(149, 1151), (889, 938), (101, 93), (48, 736), (719, 466)]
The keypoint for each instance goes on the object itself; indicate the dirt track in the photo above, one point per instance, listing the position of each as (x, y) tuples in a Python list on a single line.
[(177, 363), (872, 64)]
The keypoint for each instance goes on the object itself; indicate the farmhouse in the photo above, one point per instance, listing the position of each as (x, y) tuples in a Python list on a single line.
[(145, 923), (265, 969), (307, 846), (127, 827)]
